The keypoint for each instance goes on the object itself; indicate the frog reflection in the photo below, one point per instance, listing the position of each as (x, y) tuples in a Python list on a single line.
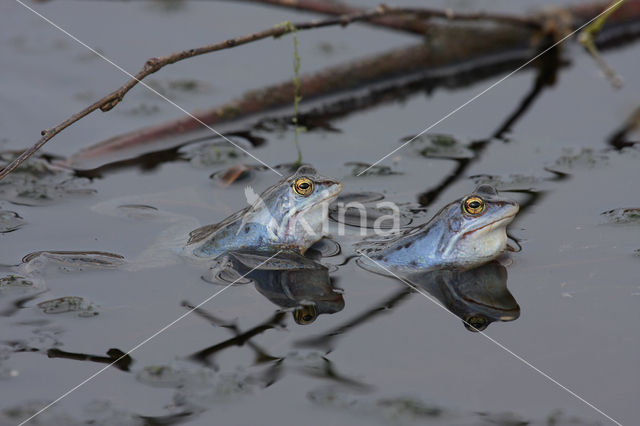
[(288, 280), (478, 296)]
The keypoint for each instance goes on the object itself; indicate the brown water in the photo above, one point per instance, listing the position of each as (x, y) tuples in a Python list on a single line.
[(575, 279)]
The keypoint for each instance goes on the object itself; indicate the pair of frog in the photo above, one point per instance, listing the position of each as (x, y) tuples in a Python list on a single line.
[(288, 216)]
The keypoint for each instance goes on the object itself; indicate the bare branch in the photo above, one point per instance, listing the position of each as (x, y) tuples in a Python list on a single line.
[(152, 65), (471, 43), (404, 19), (629, 11)]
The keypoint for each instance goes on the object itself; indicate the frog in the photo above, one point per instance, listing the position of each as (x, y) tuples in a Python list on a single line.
[(289, 215), (464, 234)]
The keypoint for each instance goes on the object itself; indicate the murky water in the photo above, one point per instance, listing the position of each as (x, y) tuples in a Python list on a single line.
[(567, 302)]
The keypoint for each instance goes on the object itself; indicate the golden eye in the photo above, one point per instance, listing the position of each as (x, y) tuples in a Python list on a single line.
[(303, 186), (474, 206), (305, 314)]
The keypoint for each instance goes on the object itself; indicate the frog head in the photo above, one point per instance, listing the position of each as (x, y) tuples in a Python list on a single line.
[(475, 227), (294, 210)]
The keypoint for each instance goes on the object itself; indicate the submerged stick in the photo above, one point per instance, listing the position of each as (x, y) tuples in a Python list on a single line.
[(630, 11), (315, 117), (152, 65), (412, 21), (471, 43)]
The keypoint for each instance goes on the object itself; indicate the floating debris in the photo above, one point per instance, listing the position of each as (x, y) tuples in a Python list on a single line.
[(509, 182), (239, 172), (104, 412), (67, 304), (94, 412), (10, 221), (395, 409), (38, 182), (15, 281), (138, 211), (440, 146), (409, 407), (623, 215), (585, 158), (196, 389), (18, 413), (247, 172), (206, 155), (69, 261), (366, 169), (410, 410), (167, 376)]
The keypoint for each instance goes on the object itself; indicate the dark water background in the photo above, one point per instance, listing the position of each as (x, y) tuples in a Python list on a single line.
[(575, 279)]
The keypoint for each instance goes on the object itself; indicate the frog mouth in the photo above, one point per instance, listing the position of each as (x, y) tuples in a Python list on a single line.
[(506, 220)]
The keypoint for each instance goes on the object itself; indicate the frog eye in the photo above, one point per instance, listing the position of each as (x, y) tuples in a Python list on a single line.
[(474, 206), (305, 314), (303, 186)]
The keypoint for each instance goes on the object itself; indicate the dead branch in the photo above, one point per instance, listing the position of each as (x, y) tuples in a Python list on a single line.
[(315, 116), (631, 10), (471, 43), (332, 8), (412, 20), (152, 65)]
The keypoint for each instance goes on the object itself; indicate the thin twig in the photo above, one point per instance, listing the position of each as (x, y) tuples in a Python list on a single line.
[(152, 65)]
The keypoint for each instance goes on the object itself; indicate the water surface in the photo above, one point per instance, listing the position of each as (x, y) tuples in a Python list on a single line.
[(575, 279)]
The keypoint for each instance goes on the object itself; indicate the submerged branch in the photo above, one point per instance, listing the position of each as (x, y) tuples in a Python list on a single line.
[(313, 117), (471, 43), (153, 65), (406, 19), (629, 12)]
